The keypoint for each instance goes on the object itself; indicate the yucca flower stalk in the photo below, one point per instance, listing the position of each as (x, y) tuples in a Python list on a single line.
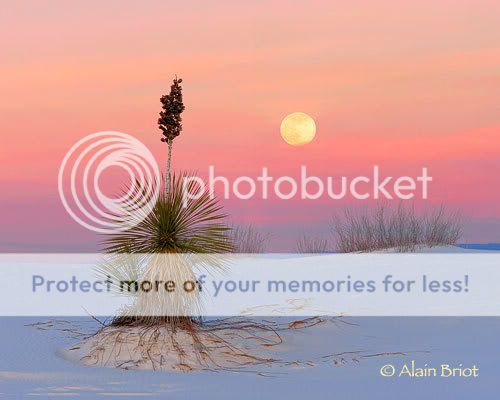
[(170, 121)]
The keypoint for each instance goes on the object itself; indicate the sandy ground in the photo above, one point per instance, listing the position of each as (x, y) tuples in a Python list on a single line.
[(231, 344), (32, 364)]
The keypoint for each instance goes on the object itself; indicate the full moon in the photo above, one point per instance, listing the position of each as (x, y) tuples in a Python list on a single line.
[(298, 129)]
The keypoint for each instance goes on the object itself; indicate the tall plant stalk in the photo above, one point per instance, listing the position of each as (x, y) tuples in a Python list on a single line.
[(169, 160)]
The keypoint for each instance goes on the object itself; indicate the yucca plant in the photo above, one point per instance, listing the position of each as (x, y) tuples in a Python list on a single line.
[(178, 224)]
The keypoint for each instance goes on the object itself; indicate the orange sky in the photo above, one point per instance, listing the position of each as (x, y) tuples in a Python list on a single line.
[(398, 84)]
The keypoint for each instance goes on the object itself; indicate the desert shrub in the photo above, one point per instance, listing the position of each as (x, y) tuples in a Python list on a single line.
[(401, 228), (308, 244), (246, 239)]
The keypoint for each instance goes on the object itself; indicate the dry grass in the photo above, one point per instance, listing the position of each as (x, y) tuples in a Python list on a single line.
[(311, 245), (401, 228), (246, 239)]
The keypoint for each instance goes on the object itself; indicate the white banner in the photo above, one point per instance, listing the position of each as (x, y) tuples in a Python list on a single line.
[(258, 285)]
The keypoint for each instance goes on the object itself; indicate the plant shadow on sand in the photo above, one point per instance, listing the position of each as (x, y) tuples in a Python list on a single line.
[(233, 345)]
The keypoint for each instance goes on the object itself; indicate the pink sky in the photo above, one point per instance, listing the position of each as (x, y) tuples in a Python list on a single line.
[(403, 85)]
